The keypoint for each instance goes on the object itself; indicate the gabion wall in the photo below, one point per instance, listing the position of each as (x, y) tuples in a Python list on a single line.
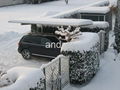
[(83, 65), (96, 30), (39, 85)]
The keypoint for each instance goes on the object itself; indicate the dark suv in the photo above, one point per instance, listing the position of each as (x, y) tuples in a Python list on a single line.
[(39, 45)]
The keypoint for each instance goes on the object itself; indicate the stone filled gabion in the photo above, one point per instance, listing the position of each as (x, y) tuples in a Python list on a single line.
[(83, 65), (96, 30)]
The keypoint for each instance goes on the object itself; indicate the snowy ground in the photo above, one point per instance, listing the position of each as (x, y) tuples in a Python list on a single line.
[(10, 33), (106, 79)]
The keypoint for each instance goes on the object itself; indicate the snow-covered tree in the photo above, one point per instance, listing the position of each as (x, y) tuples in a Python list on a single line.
[(67, 34), (117, 28)]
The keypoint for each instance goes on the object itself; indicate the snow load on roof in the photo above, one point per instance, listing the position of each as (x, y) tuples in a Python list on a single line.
[(55, 21), (98, 24), (101, 3), (76, 10), (113, 3), (102, 10), (85, 42)]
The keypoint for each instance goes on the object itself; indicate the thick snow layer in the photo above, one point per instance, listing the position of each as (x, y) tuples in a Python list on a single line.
[(9, 56), (76, 10), (10, 33), (55, 21), (113, 3), (84, 42), (98, 24), (23, 78), (35, 11), (102, 10), (101, 3), (108, 77)]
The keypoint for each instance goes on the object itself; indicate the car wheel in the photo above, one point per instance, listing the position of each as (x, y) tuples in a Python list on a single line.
[(26, 54)]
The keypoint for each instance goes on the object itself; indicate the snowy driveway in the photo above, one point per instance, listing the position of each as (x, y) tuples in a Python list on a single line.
[(11, 33)]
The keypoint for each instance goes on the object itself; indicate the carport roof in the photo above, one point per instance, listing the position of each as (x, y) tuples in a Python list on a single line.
[(55, 21), (101, 10)]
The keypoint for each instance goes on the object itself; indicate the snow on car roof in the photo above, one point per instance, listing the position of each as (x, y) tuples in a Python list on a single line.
[(55, 22), (102, 10)]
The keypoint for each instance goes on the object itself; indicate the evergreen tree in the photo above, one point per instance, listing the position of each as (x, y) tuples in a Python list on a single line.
[(117, 28)]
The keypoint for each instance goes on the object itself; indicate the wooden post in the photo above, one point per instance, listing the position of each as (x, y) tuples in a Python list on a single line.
[(44, 79), (60, 74)]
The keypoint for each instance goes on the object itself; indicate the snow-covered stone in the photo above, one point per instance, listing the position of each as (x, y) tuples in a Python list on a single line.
[(84, 57), (96, 28), (84, 42), (22, 78)]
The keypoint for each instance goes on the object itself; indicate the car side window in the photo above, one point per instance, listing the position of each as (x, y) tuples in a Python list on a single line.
[(44, 41), (36, 40), (27, 39), (32, 39), (53, 39)]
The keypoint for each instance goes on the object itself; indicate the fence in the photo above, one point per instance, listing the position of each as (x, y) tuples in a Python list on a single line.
[(102, 41), (57, 73)]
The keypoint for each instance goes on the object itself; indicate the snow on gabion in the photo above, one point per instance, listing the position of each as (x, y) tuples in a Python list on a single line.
[(84, 57), (97, 27)]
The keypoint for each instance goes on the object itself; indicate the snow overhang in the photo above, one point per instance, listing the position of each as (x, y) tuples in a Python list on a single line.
[(98, 24), (55, 22), (97, 5), (84, 42), (101, 10)]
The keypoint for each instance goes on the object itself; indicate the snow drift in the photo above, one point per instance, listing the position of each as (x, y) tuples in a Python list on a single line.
[(23, 78)]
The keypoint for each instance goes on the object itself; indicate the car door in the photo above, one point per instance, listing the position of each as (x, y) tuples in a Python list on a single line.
[(43, 50), (35, 45), (51, 49)]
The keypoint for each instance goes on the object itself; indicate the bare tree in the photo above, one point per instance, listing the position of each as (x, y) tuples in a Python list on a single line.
[(67, 34)]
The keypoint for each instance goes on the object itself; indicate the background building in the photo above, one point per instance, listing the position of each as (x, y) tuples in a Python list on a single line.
[(10, 2)]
